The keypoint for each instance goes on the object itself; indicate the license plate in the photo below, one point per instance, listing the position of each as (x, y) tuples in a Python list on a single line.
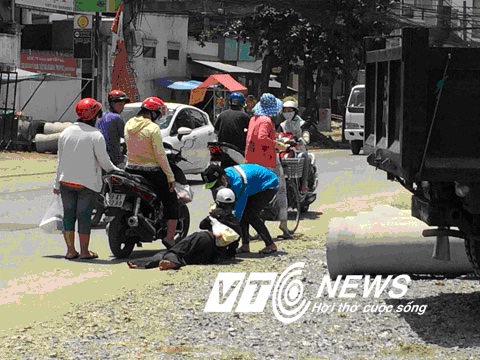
[(115, 200)]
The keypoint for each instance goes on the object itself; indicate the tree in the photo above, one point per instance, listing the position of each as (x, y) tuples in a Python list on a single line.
[(270, 33)]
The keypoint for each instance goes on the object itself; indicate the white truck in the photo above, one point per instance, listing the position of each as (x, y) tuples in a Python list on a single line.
[(355, 118)]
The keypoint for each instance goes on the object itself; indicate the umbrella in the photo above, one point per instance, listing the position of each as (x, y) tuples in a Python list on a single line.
[(184, 85)]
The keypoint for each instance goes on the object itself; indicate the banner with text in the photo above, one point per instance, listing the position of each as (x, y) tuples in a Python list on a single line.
[(50, 64)]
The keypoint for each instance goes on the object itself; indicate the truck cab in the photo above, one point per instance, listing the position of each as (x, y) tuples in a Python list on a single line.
[(355, 118)]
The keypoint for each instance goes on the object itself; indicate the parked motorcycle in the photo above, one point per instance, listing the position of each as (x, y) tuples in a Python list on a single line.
[(293, 151), (225, 154), (136, 210)]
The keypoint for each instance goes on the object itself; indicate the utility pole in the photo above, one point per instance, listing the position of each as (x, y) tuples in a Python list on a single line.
[(464, 21), (96, 53)]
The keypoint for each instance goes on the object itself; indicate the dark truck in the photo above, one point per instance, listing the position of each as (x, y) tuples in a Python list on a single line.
[(422, 126)]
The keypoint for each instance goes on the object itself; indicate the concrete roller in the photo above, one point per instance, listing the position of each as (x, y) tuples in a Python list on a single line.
[(47, 143), (55, 127), (388, 241)]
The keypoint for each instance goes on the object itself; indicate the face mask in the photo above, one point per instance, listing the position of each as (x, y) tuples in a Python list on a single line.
[(289, 116)]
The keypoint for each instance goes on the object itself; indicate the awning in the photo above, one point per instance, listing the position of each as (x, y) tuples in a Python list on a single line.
[(184, 85), (274, 84), (24, 75), (229, 83), (225, 68)]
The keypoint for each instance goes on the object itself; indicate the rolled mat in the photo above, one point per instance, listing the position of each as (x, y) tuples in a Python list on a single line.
[(388, 241)]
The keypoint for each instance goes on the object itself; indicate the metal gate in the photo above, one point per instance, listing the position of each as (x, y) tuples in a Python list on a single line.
[(8, 118)]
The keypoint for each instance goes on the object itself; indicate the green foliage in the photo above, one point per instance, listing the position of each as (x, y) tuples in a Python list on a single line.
[(328, 44)]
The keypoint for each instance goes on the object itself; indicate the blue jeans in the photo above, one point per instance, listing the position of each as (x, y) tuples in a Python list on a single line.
[(77, 205)]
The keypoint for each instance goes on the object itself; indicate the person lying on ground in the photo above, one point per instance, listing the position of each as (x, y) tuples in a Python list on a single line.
[(202, 247)]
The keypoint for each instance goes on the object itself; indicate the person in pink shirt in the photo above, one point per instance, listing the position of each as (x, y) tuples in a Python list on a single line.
[(261, 149)]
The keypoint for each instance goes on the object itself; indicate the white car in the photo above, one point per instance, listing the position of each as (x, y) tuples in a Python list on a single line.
[(177, 116)]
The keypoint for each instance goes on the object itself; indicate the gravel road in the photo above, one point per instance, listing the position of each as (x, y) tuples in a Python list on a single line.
[(166, 320)]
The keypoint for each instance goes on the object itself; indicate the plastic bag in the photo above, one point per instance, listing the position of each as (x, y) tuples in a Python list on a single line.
[(52, 220), (224, 235), (184, 193)]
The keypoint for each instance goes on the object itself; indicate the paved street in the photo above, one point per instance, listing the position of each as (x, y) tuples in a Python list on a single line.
[(34, 272)]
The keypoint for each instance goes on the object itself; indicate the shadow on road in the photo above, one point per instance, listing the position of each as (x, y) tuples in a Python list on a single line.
[(450, 320), (311, 215)]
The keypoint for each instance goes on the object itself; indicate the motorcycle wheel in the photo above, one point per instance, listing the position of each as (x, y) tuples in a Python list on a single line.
[(183, 224), (120, 245)]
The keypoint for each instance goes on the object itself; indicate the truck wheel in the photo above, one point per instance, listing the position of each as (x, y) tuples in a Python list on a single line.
[(472, 249), (120, 244), (355, 146)]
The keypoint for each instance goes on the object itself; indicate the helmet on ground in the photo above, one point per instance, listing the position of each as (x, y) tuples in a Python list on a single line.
[(290, 104), (117, 95), (237, 99), (87, 108), (226, 196)]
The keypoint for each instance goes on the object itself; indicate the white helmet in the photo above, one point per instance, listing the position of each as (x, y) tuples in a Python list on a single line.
[(226, 196), (290, 104)]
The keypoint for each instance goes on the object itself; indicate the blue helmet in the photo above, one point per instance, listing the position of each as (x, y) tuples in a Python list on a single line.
[(237, 99)]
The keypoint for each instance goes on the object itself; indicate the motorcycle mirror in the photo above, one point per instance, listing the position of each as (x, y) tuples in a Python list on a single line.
[(183, 131)]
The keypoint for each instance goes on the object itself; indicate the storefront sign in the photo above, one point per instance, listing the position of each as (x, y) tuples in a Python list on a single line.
[(48, 5), (71, 5), (49, 64), (97, 6)]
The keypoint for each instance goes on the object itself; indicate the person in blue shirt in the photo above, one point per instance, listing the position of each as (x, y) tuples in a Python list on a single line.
[(111, 126), (254, 187)]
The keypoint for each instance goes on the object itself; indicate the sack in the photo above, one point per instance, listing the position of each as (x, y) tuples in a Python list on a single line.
[(52, 220), (184, 193), (224, 235), (271, 211)]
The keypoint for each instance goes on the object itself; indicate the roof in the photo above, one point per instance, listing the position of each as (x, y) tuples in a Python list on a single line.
[(226, 68)]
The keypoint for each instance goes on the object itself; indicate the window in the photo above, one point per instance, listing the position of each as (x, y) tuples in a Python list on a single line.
[(149, 52), (181, 120), (173, 54), (197, 119)]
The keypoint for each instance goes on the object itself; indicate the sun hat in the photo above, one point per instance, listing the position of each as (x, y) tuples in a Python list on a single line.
[(268, 105)]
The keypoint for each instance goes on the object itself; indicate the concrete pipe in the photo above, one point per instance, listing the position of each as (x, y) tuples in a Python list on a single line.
[(55, 127), (388, 241), (47, 143)]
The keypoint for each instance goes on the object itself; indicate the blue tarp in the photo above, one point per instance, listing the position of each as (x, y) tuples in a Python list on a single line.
[(184, 85)]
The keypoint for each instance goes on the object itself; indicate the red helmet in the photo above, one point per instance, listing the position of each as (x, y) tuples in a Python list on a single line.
[(153, 103), (117, 95), (87, 108)]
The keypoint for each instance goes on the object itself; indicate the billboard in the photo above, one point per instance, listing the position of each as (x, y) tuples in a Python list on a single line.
[(71, 5), (48, 5)]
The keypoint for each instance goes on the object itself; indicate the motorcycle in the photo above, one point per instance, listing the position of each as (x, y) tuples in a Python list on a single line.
[(137, 213), (225, 154), (293, 151)]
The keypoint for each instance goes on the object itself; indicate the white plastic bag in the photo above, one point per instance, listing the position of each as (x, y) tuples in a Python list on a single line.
[(184, 193), (224, 235), (52, 220)]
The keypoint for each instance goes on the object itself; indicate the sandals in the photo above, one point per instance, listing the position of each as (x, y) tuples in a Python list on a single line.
[(284, 236), (268, 250), (243, 249), (73, 256), (91, 255), (167, 245)]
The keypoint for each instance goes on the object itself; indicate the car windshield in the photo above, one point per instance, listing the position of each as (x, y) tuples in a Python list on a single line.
[(163, 122), (357, 99)]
